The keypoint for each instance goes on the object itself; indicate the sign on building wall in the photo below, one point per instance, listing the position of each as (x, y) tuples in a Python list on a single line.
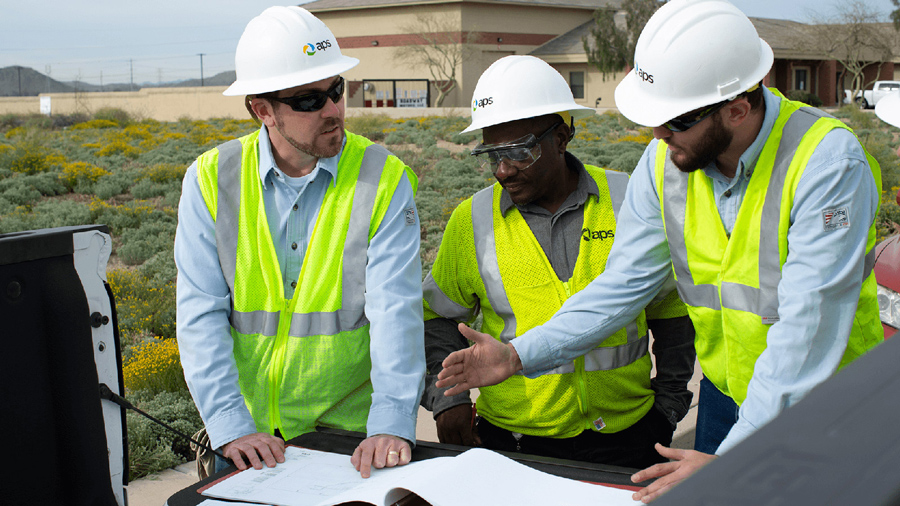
[(395, 93)]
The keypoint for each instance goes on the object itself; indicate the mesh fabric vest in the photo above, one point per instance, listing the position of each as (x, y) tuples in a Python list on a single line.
[(303, 361), (608, 389), (729, 283)]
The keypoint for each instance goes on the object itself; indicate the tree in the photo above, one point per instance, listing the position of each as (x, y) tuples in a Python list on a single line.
[(610, 46), (440, 47), (854, 37), (895, 14)]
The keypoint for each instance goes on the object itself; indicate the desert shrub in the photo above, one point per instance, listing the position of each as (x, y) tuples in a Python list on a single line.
[(152, 448), (112, 184), (144, 305), (160, 268), (371, 126), (118, 116), (139, 244), (408, 133), (81, 176), (805, 97), (18, 192), (30, 156), (154, 365), (888, 216), (95, 124), (47, 214), (131, 214)]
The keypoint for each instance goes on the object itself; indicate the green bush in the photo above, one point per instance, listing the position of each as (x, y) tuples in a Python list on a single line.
[(114, 114), (139, 244), (370, 126), (805, 97), (152, 448)]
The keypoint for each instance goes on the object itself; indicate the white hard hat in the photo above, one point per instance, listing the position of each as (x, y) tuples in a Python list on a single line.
[(520, 86), (285, 47), (888, 109), (691, 53)]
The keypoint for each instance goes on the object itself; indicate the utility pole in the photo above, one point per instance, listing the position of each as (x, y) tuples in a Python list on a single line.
[(131, 66), (47, 72), (19, 73), (201, 69)]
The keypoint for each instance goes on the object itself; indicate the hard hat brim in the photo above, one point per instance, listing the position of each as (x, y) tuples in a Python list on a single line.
[(259, 86), (577, 112), (888, 109), (652, 110)]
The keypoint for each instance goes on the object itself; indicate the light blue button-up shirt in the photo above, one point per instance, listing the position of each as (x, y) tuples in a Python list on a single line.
[(393, 297), (817, 295)]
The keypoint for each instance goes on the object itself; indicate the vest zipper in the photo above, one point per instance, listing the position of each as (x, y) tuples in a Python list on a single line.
[(580, 375), (276, 371)]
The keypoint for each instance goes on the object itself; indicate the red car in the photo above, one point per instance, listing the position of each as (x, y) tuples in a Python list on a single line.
[(887, 272)]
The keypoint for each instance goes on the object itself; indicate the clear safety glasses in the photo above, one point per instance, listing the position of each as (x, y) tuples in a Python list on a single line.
[(311, 102), (521, 153)]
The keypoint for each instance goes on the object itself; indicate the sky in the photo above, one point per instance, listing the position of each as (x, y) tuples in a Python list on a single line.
[(121, 41)]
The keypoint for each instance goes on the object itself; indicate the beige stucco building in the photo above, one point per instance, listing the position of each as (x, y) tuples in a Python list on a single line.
[(372, 30)]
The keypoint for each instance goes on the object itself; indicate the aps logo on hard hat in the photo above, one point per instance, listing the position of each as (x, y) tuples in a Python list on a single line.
[(484, 102), (642, 74), (310, 48)]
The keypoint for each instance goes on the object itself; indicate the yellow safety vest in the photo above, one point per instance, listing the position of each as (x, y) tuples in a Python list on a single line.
[(494, 264), (730, 283), (303, 361)]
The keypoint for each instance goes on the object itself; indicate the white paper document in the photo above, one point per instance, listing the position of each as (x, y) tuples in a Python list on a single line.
[(475, 477)]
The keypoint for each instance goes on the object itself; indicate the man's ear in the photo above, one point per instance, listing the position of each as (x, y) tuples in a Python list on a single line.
[(736, 112), (263, 110), (562, 135)]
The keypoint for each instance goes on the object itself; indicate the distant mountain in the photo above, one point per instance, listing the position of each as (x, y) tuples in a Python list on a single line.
[(27, 82), (23, 81), (220, 79)]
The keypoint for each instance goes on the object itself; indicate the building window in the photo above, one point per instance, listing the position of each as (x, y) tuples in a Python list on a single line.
[(576, 83), (801, 78)]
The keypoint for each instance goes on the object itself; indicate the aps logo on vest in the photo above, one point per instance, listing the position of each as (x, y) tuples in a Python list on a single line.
[(310, 48), (600, 235)]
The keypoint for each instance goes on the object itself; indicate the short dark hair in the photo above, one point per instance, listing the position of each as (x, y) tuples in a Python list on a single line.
[(754, 96)]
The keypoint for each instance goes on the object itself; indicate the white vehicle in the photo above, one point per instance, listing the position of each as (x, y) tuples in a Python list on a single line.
[(868, 98)]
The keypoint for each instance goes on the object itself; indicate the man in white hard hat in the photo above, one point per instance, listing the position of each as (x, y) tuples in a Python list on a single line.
[(514, 252), (764, 210), (299, 280)]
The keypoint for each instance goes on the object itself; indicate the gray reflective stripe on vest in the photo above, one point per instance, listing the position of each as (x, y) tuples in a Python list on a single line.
[(598, 359), (228, 207), (443, 305), (352, 315), (762, 301), (488, 265), (618, 183)]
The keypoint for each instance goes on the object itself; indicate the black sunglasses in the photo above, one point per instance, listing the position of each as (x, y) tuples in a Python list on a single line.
[(311, 102), (686, 121)]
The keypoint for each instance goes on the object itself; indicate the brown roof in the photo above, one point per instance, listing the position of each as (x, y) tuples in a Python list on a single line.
[(324, 5)]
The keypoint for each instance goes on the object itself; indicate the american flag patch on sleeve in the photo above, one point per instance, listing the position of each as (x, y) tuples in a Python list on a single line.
[(835, 218)]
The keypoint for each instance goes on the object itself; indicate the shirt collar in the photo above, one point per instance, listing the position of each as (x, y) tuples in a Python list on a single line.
[(267, 165), (748, 159), (586, 187)]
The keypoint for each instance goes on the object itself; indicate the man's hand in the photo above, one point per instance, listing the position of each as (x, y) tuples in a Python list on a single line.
[(485, 363), (254, 446), (669, 474), (380, 451), (456, 426)]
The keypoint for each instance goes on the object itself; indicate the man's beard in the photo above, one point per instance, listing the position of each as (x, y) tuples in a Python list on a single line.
[(708, 148), (331, 149)]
